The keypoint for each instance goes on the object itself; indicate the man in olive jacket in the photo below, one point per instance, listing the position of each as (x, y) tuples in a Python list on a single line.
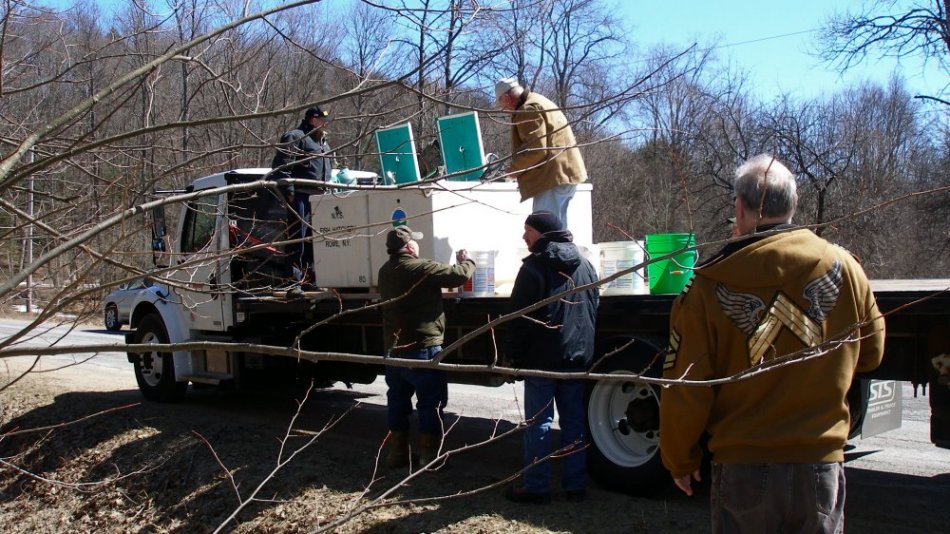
[(545, 157), (413, 325), (777, 438)]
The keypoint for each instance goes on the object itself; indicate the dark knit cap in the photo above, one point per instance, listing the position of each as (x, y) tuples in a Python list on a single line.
[(544, 222)]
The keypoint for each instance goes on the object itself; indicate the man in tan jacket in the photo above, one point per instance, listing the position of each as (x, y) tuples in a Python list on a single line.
[(778, 295), (545, 158)]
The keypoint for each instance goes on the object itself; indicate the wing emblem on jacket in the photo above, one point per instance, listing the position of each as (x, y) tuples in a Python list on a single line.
[(764, 323), (744, 309), (823, 292)]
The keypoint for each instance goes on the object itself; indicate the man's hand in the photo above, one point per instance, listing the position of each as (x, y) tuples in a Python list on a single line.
[(684, 483), (461, 255)]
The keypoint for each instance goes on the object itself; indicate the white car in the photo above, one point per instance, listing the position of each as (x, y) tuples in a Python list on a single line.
[(118, 305)]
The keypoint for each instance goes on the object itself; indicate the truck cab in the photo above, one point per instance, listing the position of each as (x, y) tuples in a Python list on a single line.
[(232, 257)]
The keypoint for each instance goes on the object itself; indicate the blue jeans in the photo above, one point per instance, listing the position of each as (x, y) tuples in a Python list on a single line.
[(555, 200), (777, 498), (430, 387), (540, 397)]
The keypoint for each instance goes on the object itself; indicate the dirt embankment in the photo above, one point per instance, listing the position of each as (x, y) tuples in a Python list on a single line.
[(155, 468), (188, 467)]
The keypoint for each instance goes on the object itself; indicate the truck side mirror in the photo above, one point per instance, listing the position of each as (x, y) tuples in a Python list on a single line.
[(159, 238)]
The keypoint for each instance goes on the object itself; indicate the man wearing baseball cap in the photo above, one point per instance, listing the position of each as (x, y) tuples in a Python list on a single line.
[(413, 325), (304, 152), (544, 154)]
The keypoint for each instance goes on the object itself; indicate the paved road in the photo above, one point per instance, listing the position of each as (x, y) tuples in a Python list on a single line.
[(906, 450), (67, 334)]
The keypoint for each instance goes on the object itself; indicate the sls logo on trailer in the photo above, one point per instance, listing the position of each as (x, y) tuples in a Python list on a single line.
[(882, 392)]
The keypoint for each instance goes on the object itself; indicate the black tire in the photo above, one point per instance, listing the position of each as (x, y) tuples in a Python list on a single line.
[(939, 395), (155, 371), (110, 317), (623, 423)]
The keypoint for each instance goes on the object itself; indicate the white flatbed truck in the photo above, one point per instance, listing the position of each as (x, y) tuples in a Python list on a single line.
[(220, 292)]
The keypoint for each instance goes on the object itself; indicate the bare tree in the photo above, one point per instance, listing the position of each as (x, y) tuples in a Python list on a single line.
[(369, 50), (666, 121), (895, 28), (889, 127), (812, 138)]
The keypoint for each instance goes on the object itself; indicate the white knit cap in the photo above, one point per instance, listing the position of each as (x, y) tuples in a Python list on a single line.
[(504, 85)]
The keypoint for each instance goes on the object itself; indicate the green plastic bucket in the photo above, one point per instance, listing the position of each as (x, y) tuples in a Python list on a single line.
[(670, 275)]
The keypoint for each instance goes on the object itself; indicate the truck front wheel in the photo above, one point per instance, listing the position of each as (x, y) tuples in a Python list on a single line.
[(155, 371), (111, 318), (623, 420)]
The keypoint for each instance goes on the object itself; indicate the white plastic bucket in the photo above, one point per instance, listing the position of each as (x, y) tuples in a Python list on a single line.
[(616, 256), (482, 283)]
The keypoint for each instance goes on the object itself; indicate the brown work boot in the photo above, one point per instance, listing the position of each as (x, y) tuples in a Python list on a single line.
[(429, 446), (397, 450)]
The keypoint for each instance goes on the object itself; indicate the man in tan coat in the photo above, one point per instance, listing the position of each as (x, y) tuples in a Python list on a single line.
[(545, 158), (779, 294)]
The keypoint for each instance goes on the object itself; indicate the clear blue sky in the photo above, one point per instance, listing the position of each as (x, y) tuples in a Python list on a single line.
[(768, 39)]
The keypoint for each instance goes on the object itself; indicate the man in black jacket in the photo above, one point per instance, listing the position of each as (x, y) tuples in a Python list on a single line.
[(304, 152), (555, 337)]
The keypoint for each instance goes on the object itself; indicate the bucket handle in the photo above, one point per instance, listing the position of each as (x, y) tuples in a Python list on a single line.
[(683, 268)]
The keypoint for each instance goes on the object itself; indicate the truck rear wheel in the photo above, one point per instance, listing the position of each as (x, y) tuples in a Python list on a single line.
[(623, 421), (155, 371)]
